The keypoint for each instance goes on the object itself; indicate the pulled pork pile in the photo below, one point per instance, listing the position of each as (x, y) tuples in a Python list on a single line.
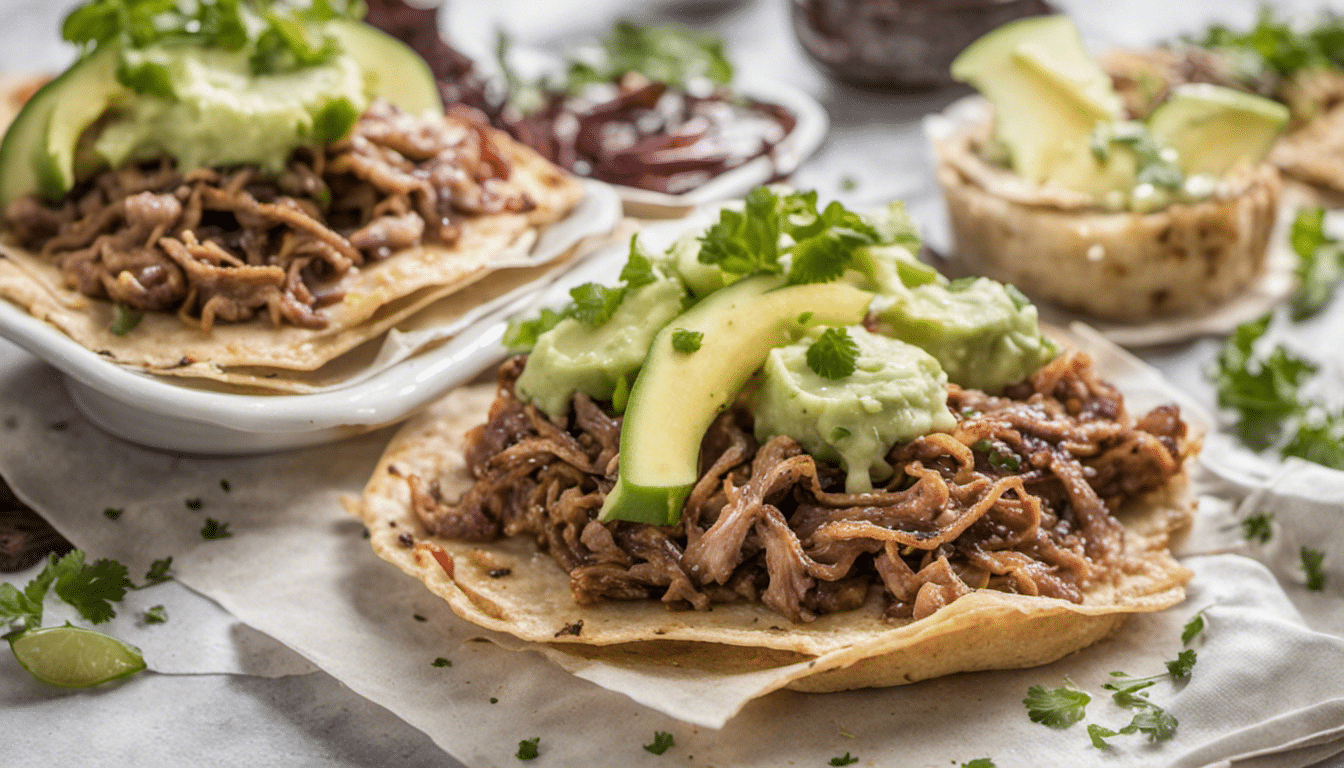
[(1018, 498), (225, 244)]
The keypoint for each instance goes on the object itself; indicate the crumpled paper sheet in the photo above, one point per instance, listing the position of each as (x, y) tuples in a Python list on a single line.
[(298, 569)]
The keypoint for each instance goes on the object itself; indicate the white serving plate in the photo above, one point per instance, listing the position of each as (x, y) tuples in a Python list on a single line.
[(804, 140), (177, 415)]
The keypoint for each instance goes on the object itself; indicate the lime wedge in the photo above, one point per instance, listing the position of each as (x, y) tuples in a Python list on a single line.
[(74, 657)]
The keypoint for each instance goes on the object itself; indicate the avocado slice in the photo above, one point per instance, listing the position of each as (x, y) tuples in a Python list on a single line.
[(1212, 127), (1047, 92), (400, 75), (677, 394)]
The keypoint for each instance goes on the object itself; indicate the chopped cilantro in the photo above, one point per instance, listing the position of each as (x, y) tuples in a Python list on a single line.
[(1280, 45), (961, 284), (1258, 527), (1320, 265), (844, 759), (1184, 663), (1192, 628), (805, 318), (522, 334), (979, 762), (1154, 721), (594, 304), (418, 617), (124, 319), (666, 53), (1056, 707), (158, 570), (224, 485), (1320, 440), (1312, 562), (662, 741), (839, 433), (685, 341), (334, 120), (833, 355), (90, 589), (1127, 689), (113, 513), (194, 504), (442, 662), (1099, 734), (214, 530), (1264, 391), (156, 615), (638, 269), (849, 183), (527, 748), (494, 700)]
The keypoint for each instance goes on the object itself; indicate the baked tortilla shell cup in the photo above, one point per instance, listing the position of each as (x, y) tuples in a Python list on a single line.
[(512, 587), (1056, 245)]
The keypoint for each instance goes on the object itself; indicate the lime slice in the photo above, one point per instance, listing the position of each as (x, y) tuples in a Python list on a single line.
[(75, 657)]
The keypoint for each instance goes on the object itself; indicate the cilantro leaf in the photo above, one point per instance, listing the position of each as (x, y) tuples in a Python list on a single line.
[(1184, 663), (16, 606), (1258, 527), (1126, 689), (527, 748), (113, 513), (1321, 441), (1312, 563), (844, 759), (819, 259), (334, 120), (1154, 721), (441, 662), (665, 53), (1263, 391), (1056, 707), (158, 571), (662, 741), (979, 762), (833, 355), (1278, 45), (746, 241), (522, 334), (685, 341), (1320, 265), (91, 589), (214, 530), (1098, 734), (638, 269), (156, 615), (594, 303), (1192, 628)]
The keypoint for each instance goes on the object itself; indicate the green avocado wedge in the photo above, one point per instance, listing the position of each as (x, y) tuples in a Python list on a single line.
[(1212, 127), (399, 74), (677, 394)]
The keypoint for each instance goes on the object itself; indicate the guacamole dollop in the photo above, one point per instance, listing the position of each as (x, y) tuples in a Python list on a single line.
[(220, 112), (897, 392), (984, 334), (577, 357)]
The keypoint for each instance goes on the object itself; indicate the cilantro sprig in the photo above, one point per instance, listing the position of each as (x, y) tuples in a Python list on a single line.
[(662, 741), (666, 53), (282, 35), (1056, 707), (834, 355), (1320, 265), (91, 588), (1278, 45), (1313, 564)]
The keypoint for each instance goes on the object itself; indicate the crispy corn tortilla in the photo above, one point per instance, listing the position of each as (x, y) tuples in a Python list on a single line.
[(983, 630), (377, 295)]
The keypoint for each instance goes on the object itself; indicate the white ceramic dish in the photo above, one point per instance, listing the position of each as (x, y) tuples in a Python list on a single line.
[(804, 140), (175, 415)]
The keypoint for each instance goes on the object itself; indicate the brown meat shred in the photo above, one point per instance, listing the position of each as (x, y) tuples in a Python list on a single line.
[(1020, 497), (222, 245)]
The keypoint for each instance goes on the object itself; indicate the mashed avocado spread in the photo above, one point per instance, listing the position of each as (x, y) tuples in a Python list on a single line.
[(220, 112), (897, 392)]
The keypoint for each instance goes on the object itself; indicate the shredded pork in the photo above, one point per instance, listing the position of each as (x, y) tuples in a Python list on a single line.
[(1019, 497), (222, 245)]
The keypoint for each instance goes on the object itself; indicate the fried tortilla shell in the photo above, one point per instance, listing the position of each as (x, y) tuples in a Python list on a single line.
[(376, 296), (512, 587), (1056, 245)]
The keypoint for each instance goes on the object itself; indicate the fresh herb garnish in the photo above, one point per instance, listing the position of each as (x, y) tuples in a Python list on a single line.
[(442, 662), (1258, 527), (523, 334), (1154, 721), (158, 571), (1098, 734), (1319, 439), (156, 615), (834, 355), (1277, 44), (594, 303), (844, 759), (527, 748), (224, 486), (665, 53), (90, 589), (1056, 707), (685, 341), (124, 319), (113, 513), (1192, 628), (848, 183), (1182, 665), (839, 433), (1264, 391), (638, 269), (334, 121), (979, 762), (1320, 264), (662, 741), (1312, 563), (194, 504), (214, 530)]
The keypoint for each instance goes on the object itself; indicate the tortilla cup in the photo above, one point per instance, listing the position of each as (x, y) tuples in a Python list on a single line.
[(1056, 245), (512, 587)]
